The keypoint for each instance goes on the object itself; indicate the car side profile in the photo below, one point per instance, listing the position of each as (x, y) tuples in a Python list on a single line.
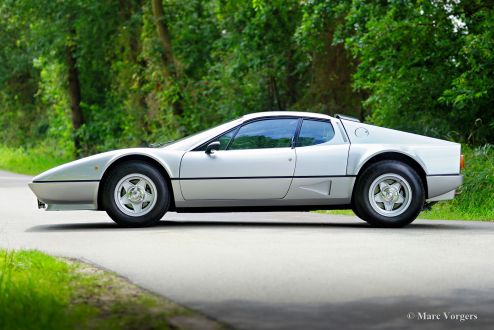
[(264, 161)]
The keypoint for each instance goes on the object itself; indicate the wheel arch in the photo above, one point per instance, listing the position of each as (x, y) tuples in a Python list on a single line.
[(142, 158), (397, 156)]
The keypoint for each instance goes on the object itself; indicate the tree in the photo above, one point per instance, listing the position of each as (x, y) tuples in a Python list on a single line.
[(426, 65), (74, 88), (92, 75), (171, 67)]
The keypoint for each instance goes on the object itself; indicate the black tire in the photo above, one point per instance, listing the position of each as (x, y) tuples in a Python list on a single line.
[(354, 209), (361, 203), (161, 199)]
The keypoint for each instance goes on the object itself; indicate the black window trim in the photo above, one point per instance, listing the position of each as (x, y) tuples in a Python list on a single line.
[(262, 119), (297, 132), (294, 139), (202, 145), (235, 131), (237, 128), (300, 128)]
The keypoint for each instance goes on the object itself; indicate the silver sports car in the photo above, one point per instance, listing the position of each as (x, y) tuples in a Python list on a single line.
[(264, 161)]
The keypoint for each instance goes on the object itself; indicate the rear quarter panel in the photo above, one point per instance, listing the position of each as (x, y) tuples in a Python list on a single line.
[(434, 155)]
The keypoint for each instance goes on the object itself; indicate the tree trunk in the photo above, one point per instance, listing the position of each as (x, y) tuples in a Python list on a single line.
[(331, 85), (291, 79), (133, 46), (171, 66), (74, 95), (164, 36), (275, 94)]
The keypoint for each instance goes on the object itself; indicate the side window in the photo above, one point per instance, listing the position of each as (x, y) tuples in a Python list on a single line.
[(269, 133), (223, 140), (314, 132)]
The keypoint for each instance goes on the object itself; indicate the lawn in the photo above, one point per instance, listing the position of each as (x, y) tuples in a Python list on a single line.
[(38, 291)]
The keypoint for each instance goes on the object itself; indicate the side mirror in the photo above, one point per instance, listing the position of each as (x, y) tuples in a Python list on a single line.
[(212, 147)]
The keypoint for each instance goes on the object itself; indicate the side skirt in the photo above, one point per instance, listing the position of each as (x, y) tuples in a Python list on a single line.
[(261, 208)]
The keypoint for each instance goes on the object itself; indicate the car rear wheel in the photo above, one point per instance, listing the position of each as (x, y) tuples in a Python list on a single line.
[(388, 194), (135, 194)]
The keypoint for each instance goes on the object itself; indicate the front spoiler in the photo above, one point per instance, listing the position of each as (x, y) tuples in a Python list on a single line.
[(66, 195)]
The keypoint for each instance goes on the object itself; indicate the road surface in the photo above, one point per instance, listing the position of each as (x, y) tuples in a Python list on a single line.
[(279, 270)]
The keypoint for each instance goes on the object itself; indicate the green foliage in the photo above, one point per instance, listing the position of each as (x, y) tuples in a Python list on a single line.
[(426, 65), (474, 201), (420, 66), (32, 160), (471, 93)]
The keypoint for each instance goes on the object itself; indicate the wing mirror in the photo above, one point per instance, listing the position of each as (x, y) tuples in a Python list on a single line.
[(212, 147)]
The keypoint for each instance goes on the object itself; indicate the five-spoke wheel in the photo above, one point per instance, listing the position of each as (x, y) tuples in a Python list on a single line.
[(388, 194), (135, 194)]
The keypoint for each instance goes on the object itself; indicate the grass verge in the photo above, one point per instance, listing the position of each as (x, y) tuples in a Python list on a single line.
[(31, 161), (38, 291), (475, 199)]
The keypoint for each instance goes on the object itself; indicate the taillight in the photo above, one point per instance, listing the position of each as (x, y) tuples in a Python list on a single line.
[(462, 162)]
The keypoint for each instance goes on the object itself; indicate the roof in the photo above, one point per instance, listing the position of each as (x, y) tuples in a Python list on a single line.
[(286, 113)]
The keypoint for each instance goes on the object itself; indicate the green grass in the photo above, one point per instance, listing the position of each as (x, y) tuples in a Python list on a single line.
[(35, 292), (475, 199), (38, 291), (31, 161)]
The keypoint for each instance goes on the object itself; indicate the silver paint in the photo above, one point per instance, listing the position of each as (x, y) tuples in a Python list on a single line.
[(390, 195), (444, 197), (314, 175), (76, 193), (135, 198), (256, 163), (442, 184)]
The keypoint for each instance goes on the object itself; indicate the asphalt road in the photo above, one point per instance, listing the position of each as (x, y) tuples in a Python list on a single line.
[(278, 270)]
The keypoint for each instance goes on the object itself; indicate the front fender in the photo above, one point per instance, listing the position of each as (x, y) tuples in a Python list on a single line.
[(85, 169), (169, 159), (92, 168)]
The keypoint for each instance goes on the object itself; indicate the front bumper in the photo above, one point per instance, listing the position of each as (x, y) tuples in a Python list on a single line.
[(67, 195), (439, 185)]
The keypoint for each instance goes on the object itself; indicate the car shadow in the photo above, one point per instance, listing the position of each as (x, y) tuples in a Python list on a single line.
[(237, 224)]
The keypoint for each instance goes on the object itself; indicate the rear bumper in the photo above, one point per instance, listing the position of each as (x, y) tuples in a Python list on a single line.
[(67, 195), (439, 185)]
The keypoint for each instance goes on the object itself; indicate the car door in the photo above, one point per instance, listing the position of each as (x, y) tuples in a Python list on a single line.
[(321, 162), (255, 161)]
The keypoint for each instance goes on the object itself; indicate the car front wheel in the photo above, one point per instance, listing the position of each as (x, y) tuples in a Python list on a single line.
[(135, 194), (388, 194)]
